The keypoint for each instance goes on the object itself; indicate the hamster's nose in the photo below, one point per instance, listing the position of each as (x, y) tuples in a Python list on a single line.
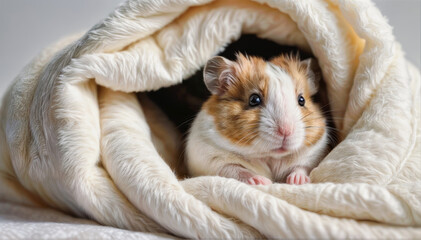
[(284, 130)]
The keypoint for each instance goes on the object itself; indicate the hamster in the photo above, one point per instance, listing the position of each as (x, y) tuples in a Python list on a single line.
[(260, 124)]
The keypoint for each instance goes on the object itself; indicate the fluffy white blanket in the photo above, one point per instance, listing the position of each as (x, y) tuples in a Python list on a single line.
[(75, 138)]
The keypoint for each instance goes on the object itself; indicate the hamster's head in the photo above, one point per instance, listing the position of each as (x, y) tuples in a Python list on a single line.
[(263, 108)]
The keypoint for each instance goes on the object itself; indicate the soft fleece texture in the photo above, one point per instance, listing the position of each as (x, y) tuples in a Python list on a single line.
[(91, 151)]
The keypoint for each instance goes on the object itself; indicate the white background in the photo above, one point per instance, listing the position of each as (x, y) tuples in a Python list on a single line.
[(27, 26)]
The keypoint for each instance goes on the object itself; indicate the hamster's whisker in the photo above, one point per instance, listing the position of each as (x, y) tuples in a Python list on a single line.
[(259, 140), (329, 111), (229, 121), (250, 140), (328, 105), (333, 140), (250, 136), (252, 125), (306, 115), (330, 128), (270, 133), (322, 117), (186, 121)]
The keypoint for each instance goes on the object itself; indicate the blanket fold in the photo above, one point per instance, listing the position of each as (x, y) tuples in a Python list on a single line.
[(75, 137)]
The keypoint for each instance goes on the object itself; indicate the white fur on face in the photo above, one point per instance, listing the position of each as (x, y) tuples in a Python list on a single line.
[(280, 110)]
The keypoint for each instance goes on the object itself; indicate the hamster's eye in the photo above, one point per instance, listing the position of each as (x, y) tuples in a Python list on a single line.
[(301, 100), (255, 100)]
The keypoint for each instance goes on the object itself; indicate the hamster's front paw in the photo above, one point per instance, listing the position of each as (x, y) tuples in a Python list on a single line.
[(298, 176), (259, 180)]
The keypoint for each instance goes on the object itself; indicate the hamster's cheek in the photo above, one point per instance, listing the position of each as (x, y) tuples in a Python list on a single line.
[(236, 124), (314, 126)]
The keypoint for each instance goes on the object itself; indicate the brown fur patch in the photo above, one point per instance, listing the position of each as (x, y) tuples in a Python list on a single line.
[(312, 117), (234, 118)]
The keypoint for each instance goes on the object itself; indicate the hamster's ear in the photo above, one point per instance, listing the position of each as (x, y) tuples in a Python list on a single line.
[(313, 74), (218, 74)]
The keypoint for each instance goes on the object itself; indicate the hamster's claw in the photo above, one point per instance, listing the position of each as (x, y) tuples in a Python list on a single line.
[(298, 177), (259, 180)]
